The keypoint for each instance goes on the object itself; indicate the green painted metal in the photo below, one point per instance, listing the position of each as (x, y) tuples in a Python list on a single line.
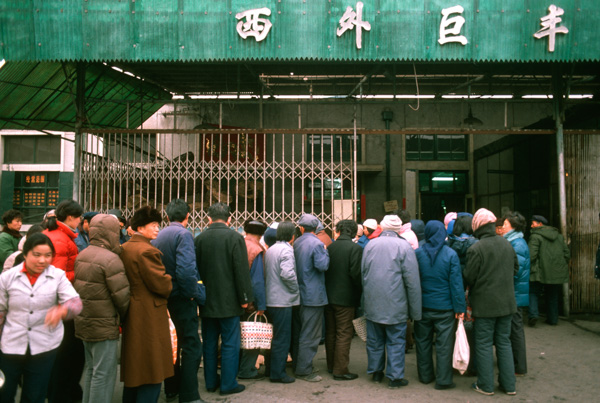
[(186, 30), (42, 96)]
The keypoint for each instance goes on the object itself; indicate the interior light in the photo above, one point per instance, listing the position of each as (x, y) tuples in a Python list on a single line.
[(443, 179)]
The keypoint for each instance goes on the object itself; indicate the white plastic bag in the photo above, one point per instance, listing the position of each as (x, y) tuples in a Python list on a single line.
[(460, 359)]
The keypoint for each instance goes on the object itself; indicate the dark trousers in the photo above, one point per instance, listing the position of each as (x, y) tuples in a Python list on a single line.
[(517, 342), (296, 326), (142, 394), (276, 358), (68, 368), (553, 292), (442, 324), (311, 318), (35, 369), (184, 314), (229, 330), (387, 340), (338, 337), (490, 332)]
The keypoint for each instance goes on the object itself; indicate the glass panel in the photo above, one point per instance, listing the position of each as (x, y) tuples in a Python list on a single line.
[(427, 146), (19, 150), (459, 148), (424, 182), (460, 183), (412, 147), (442, 182), (444, 147), (47, 150)]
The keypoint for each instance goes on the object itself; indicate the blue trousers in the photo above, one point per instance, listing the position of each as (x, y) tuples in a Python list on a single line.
[(552, 293), (311, 318), (184, 314), (100, 371), (386, 338), (442, 324), (490, 332), (276, 359), (35, 369), (148, 393), (229, 330)]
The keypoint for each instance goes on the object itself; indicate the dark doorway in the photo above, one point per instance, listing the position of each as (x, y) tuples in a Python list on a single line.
[(441, 193), (436, 206)]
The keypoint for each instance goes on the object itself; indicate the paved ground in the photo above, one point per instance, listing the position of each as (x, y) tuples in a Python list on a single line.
[(564, 362)]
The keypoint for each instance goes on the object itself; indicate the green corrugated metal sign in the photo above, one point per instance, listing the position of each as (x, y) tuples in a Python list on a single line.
[(326, 30)]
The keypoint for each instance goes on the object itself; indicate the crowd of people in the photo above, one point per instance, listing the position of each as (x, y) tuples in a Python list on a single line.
[(77, 283)]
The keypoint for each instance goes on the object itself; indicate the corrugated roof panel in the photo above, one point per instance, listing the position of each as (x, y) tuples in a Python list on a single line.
[(38, 96), (403, 30)]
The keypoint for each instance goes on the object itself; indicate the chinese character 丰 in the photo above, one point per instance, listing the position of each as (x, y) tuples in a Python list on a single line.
[(452, 34), (350, 19), (549, 26), (254, 26)]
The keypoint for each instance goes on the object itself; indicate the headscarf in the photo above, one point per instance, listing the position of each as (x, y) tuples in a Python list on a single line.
[(418, 227), (482, 217), (435, 237), (449, 217), (391, 223)]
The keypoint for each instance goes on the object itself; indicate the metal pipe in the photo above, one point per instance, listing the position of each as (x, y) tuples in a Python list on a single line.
[(80, 104)]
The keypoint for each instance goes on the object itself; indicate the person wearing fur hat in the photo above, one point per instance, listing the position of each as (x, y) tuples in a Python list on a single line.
[(491, 266), (392, 295), (254, 230), (146, 355)]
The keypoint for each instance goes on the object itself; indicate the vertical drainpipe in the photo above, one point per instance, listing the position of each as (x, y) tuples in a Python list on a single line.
[(387, 117), (558, 93), (80, 104)]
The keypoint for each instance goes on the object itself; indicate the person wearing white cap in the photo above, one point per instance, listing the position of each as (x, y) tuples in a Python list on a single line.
[(370, 231), (392, 294)]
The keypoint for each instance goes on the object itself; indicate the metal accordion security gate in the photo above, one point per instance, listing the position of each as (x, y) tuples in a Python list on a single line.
[(271, 175)]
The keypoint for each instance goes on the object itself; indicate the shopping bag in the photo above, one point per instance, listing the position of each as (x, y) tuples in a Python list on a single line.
[(173, 339), (360, 326), (460, 359), (256, 334)]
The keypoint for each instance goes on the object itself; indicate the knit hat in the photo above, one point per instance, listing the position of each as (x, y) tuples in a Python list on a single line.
[(449, 217), (145, 216), (482, 217), (539, 218), (391, 223), (270, 237), (370, 223)]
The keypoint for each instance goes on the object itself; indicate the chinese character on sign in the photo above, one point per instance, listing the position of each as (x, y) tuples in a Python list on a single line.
[(549, 26), (254, 26), (350, 19), (449, 33)]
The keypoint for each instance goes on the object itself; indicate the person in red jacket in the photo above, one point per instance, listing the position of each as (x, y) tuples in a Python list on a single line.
[(68, 367)]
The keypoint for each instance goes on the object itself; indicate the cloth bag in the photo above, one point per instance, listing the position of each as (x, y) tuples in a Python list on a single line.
[(173, 333), (360, 326), (461, 356), (256, 334)]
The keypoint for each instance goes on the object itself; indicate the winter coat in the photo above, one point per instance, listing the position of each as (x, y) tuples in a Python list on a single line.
[(66, 251), (312, 261), (281, 282), (257, 272), (441, 281), (10, 261), (522, 277), (146, 355), (222, 260), (8, 245), (549, 256), (178, 255), (407, 233), (390, 278), (460, 245), (491, 266), (101, 282), (82, 240), (342, 279)]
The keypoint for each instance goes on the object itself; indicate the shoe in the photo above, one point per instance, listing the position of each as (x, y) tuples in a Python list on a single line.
[(444, 387), (237, 389), (286, 379), (397, 383), (517, 374), (511, 393), (171, 396), (212, 390), (483, 392), (345, 377), (550, 323), (310, 377), (424, 382), (532, 322), (256, 377), (377, 376)]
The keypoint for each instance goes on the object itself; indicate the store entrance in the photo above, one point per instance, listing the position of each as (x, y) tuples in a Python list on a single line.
[(441, 193)]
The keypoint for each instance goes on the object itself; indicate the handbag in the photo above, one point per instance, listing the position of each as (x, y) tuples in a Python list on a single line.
[(360, 326), (461, 356), (256, 334)]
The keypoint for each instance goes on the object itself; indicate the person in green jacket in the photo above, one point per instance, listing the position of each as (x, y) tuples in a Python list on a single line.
[(549, 268), (10, 236)]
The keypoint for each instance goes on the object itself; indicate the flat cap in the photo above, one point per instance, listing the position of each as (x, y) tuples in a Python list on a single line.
[(370, 223), (539, 218), (308, 220)]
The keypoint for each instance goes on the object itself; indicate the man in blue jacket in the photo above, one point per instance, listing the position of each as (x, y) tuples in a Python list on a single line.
[(312, 261), (178, 255)]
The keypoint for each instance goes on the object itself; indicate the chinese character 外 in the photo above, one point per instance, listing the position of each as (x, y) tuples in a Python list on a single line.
[(352, 19), (254, 26), (450, 27), (549, 26)]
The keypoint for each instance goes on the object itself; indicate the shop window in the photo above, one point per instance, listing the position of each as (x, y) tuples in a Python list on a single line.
[(436, 147), (32, 150), (34, 194), (318, 189), (443, 182), (339, 147)]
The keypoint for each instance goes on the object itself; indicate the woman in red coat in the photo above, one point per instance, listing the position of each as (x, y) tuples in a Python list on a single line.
[(68, 367)]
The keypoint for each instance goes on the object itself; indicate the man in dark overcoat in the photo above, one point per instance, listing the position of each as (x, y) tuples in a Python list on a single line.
[(222, 261)]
